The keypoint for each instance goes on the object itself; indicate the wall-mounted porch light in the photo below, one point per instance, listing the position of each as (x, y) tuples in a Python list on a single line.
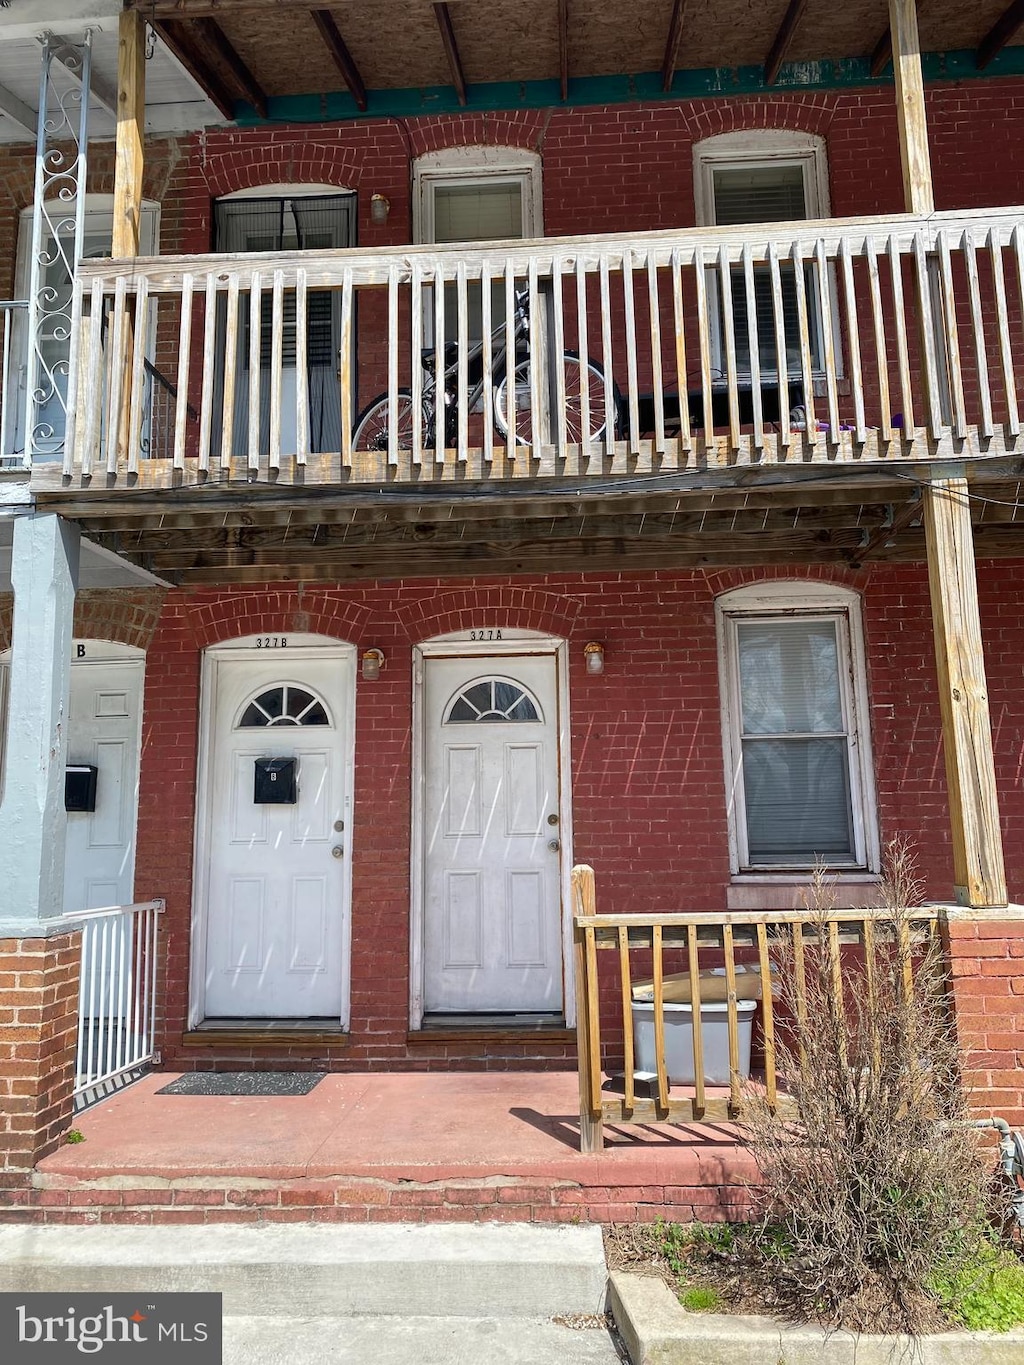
[(373, 662), (593, 655), (380, 207)]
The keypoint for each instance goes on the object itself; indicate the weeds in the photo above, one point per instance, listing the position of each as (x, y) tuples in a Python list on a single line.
[(877, 1187)]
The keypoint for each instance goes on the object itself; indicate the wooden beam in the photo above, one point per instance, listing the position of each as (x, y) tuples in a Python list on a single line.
[(999, 34), (17, 111), (336, 46), (130, 136), (963, 695), (881, 55), (210, 9), (212, 38), (783, 39), (563, 46), (919, 197), (444, 23), (672, 42), (180, 41)]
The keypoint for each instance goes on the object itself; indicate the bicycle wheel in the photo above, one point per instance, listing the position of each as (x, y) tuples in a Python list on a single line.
[(373, 423), (574, 381)]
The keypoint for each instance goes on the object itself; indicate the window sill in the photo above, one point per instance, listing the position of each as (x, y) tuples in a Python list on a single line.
[(789, 891)]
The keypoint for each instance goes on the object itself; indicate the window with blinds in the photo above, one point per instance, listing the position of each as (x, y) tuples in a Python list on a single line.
[(476, 211), (764, 190), (794, 742)]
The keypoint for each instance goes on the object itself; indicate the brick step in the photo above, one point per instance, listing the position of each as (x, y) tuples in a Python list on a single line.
[(142, 1200)]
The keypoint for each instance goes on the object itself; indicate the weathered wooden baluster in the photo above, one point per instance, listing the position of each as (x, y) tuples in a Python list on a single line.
[(606, 354), (302, 362), (767, 1017), (682, 381), (116, 367), (556, 359), (588, 1027), (393, 414), (627, 1015), (995, 251), (209, 374), (826, 312), (696, 1031), (781, 349), (978, 327), (487, 362), (804, 333), (582, 343), (227, 419), (632, 382), (704, 335), (750, 294), (659, 1019), (181, 379), (853, 341), (276, 369), (657, 379), (255, 369), (417, 346), (137, 394), (732, 1019), (462, 361), (725, 282), (881, 349)]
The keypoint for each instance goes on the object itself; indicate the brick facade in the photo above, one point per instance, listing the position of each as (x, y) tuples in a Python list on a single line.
[(38, 1036), (646, 755)]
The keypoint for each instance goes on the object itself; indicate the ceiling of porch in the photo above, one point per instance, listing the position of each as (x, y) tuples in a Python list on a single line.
[(253, 50)]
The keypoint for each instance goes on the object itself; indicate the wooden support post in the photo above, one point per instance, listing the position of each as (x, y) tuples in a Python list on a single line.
[(963, 698), (906, 60), (131, 123), (587, 1005), (128, 167)]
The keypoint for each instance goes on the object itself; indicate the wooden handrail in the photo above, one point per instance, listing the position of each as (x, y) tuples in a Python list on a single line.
[(756, 936)]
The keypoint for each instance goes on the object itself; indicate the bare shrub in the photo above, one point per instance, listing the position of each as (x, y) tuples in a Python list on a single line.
[(876, 1187)]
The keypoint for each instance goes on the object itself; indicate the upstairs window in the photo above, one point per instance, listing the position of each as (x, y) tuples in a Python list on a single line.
[(763, 177), (476, 194), (798, 768)]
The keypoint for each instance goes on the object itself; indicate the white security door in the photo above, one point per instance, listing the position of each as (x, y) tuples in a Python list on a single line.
[(276, 888), (104, 732), (492, 915)]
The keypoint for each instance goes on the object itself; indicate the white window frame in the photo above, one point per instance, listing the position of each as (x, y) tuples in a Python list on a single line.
[(757, 147), (476, 166), (779, 601)]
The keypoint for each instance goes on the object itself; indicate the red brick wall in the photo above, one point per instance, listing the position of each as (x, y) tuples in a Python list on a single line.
[(987, 965), (38, 1034), (648, 784)]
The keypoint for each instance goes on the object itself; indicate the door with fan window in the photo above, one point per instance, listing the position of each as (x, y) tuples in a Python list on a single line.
[(286, 223)]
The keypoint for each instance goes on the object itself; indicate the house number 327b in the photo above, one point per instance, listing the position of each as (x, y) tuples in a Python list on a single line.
[(271, 641)]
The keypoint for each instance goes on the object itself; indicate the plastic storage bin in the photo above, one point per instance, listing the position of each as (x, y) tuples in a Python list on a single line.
[(679, 1040)]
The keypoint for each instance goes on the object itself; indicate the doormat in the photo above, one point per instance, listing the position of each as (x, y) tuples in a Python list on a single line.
[(244, 1083)]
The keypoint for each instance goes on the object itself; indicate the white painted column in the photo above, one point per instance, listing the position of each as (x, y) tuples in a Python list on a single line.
[(33, 823)]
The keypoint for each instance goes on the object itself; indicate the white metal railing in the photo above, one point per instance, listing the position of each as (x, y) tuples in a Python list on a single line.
[(12, 366), (722, 343), (117, 994)]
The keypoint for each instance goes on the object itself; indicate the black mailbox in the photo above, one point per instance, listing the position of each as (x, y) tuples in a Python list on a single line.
[(80, 786), (274, 783)]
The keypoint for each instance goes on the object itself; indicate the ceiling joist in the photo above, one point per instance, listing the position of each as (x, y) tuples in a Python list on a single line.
[(336, 46), (444, 23), (213, 41), (17, 111), (783, 39), (179, 40), (672, 44), (563, 47), (1000, 34), (881, 56)]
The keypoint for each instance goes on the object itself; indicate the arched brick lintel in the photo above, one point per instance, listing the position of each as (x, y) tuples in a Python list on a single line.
[(270, 612), (511, 608)]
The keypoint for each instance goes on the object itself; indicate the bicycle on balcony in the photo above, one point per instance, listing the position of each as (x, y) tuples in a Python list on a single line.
[(372, 427)]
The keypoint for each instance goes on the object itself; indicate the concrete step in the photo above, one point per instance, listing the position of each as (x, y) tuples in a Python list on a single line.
[(414, 1341), (302, 1269)]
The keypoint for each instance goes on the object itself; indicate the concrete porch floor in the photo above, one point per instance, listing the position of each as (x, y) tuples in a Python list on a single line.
[(420, 1146)]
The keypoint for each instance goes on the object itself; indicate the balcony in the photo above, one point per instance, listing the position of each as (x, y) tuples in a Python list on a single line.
[(859, 340)]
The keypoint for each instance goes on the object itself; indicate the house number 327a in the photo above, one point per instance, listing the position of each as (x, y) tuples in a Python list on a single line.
[(494, 634)]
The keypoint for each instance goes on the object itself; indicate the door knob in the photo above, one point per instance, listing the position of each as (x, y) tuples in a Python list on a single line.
[(554, 845), (337, 851)]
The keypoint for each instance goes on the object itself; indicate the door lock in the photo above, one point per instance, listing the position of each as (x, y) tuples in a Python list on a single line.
[(552, 819), (554, 845), (337, 851)]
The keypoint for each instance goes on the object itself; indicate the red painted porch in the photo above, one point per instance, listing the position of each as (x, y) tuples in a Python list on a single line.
[(400, 1147)]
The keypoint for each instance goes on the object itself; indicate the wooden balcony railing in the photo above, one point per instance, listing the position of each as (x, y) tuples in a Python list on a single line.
[(822, 341), (738, 948)]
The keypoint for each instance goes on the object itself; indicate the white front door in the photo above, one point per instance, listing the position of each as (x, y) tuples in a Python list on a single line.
[(492, 903), (277, 841), (104, 731)]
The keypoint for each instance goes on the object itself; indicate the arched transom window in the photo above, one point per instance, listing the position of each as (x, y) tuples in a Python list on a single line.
[(284, 705), (492, 699)]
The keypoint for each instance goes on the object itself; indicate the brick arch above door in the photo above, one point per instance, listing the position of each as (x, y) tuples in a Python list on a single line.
[(508, 607)]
